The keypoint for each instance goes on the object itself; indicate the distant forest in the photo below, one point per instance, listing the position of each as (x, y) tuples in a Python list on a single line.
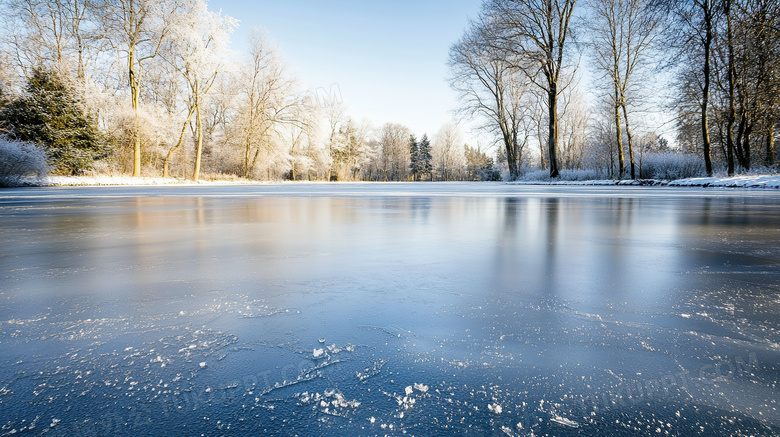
[(150, 88)]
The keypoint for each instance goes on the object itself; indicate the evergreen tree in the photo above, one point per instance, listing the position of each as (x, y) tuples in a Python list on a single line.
[(420, 157), (51, 116), (414, 154), (425, 157), (3, 104)]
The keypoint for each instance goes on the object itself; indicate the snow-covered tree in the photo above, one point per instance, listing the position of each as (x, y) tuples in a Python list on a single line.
[(138, 29), (58, 34), (534, 34), (200, 52), (447, 152), (573, 127), (420, 156), (50, 115), (394, 141), (349, 150), (266, 105)]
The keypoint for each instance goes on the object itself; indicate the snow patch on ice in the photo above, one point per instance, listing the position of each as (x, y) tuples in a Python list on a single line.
[(330, 402), (421, 387), (560, 420)]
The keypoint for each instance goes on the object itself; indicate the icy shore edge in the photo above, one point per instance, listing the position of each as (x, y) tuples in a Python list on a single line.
[(754, 182), (760, 182)]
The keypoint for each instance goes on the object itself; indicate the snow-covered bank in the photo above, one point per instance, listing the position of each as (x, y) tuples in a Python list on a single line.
[(753, 182), (101, 180), (759, 181)]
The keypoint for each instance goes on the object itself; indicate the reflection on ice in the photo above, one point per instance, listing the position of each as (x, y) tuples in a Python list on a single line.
[(388, 309)]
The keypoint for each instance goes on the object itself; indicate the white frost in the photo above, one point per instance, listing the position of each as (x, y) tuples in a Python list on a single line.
[(421, 387), (565, 422)]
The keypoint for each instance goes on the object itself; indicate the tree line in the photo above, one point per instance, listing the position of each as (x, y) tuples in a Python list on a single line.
[(516, 68), (151, 88)]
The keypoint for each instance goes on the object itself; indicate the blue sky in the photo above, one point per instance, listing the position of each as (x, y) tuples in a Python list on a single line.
[(388, 58)]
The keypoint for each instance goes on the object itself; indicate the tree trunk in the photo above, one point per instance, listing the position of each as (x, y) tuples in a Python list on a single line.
[(705, 128), (511, 162), (770, 144), (732, 106), (134, 96), (542, 152), (178, 145), (746, 146), (199, 128), (618, 129), (630, 141), (738, 149), (552, 97)]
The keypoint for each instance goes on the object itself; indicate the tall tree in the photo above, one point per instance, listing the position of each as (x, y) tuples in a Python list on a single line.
[(490, 87), (732, 76), (534, 33), (200, 38), (394, 143), (138, 30), (447, 151), (695, 37), (420, 156), (623, 32), (264, 102)]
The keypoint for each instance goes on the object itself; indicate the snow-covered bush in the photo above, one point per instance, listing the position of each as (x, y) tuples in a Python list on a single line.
[(583, 175), (528, 174), (670, 166), (20, 162)]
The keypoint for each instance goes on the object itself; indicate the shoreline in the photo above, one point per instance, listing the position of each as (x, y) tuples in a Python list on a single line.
[(764, 182)]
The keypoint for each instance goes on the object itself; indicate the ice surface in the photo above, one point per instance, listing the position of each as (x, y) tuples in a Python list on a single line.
[(358, 309)]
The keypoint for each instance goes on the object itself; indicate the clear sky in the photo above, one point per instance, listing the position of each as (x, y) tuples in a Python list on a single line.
[(388, 58)]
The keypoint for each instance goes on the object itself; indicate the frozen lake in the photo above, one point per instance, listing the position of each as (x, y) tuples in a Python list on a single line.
[(389, 309)]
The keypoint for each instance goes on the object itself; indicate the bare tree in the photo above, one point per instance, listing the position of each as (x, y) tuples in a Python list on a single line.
[(350, 148), (490, 87), (573, 127), (695, 39), (394, 140), (447, 152), (58, 33), (265, 103), (534, 34), (623, 32), (199, 39), (138, 30), (335, 112)]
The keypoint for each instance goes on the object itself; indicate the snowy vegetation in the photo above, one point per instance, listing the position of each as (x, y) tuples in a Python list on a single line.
[(20, 163), (515, 68), (670, 166), (151, 88)]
